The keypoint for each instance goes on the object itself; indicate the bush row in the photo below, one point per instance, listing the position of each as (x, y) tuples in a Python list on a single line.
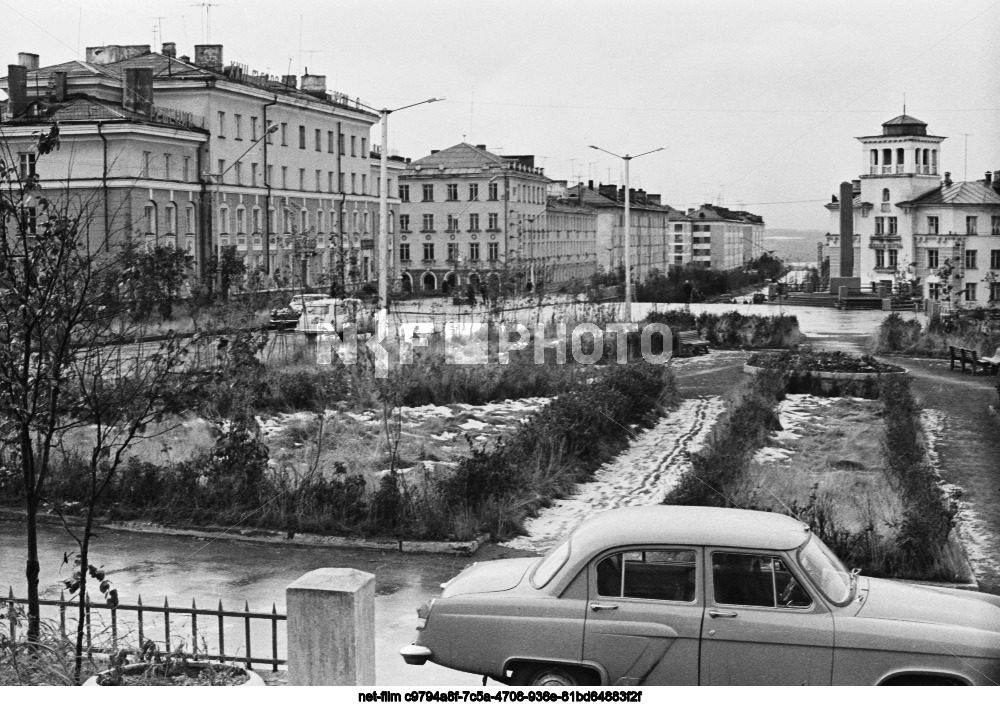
[(732, 329), (909, 337)]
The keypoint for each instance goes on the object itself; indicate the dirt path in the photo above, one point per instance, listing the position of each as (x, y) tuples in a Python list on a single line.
[(967, 446), (641, 475)]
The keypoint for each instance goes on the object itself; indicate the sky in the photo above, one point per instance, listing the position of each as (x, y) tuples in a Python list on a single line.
[(757, 103)]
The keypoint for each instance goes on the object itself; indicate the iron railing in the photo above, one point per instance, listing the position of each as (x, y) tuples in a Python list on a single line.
[(214, 651)]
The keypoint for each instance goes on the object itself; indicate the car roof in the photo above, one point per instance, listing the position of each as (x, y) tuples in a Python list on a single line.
[(680, 524)]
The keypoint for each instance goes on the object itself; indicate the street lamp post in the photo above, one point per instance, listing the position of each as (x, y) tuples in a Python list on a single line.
[(628, 225), (383, 206)]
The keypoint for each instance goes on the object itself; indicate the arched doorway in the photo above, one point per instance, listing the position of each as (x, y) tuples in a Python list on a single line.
[(451, 282), (407, 282), (429, 281)]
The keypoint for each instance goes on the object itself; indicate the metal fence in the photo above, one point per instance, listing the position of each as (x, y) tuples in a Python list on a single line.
[(123, 620)]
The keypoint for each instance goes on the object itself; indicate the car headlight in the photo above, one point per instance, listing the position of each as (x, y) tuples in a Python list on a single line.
[(423, 613)]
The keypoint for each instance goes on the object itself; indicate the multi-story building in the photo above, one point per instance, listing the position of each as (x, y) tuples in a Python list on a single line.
[(561, 245), (716, 237), (652, 242), (910, 224), (465, 215), (201, 155)]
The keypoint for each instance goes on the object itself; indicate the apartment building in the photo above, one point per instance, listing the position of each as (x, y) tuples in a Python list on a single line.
[(909, 221), (466, 215), (717, 237), (202, 155)]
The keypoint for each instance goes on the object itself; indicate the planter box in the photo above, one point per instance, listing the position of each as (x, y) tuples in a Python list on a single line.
[(253, 679), (825, 375)]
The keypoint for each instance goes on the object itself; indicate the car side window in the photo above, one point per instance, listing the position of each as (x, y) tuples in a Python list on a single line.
[(661, 574), (755, 580)]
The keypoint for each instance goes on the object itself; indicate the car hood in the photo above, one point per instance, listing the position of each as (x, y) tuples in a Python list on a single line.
[(895, 600), (489, 576)]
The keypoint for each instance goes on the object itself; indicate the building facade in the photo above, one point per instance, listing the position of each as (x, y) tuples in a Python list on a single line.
[(912, 224), (466, 215), (201, 156), (717, 237)]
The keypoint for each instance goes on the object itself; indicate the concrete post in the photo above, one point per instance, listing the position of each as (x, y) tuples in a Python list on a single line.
[(846, 229), (331, 628)]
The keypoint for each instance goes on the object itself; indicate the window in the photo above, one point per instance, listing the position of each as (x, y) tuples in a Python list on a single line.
[(755, 580), (238, 172), (933, 225), (320, 222), (284, 177), (222, 171), (340, 182), (453, 192), (970, 292), (879, 258), (892, 225), (27, 160), (302, 179), (187, 169), (354, 183), (143, 172), (473, 221), (329, 182), (404, 222), (428, 192), (473, 192), (302, 137), (994, 291), (329, 141), (29, 214), (269, 174), (364, 147), (885, 195), (879, 225), (970, 259), (189, 218), (241, 220), (223, 218), (269, 135), (474, 251), (354, 146), (932, 259), (428, 221), (995, 259), (364, 183), (166, 165), (933, 290), (253, 128), (256, 219), (170, 214), (428, 251), (238, 125), (494, 221), (404, 192), (893, 258), (659, 575), (493, 191), (404, 252), (995, 225), (303, 221), (452, 251), (493, 251), (253, 173), (452, 223), (319, 140), (340, 140), (222, 124), (678, 227), (284, 134), (970, 224)]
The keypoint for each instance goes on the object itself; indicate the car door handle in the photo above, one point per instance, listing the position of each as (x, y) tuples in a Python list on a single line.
[(721, 614), (603, 606)]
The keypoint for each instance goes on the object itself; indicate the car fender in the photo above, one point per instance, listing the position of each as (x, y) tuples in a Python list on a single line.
[(512, 662), (922, 673)]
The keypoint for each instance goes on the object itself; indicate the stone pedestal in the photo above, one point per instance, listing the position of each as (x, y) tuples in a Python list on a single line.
[(331, 628)]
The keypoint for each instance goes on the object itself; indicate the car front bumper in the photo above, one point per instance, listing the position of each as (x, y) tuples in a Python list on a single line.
[(416, 654)]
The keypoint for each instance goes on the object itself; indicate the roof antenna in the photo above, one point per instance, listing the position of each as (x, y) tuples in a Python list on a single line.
[(904, 102)]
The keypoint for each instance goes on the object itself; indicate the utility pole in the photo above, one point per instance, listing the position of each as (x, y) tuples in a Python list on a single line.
[(965, 177)]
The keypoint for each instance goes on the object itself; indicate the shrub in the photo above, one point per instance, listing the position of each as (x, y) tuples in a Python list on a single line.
[(732, 329)]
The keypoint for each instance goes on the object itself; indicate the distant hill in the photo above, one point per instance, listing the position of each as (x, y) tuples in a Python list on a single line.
[(793, 245)]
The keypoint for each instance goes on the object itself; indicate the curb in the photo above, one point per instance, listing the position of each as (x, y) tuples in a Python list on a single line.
[(262, 536)]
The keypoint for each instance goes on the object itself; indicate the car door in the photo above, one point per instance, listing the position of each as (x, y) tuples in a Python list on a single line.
[(644, 614), (761, 624)]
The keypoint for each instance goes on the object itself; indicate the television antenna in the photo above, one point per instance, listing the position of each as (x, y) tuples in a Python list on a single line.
[(207, 6)]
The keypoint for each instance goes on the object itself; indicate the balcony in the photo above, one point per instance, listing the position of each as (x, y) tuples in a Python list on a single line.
[(428, 262)]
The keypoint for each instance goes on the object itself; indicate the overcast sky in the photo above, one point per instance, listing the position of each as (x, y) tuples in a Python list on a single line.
[(757, 102)]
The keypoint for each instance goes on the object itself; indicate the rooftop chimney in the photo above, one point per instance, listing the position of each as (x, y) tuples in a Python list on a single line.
[(608, 191), (590, 184), (947, 179), (169, 49), (208, 56), (653, 199), (314, 85), (289, 81), (435, 151), (28, 61), (988, 180), (17, 89), (137, 90), (480, 147)]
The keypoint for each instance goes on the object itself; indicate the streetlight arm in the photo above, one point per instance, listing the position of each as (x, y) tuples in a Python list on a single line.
[(601, 149), (645, 153), (386, 111)]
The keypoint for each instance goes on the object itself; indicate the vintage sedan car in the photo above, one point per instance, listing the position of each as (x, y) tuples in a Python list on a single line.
[(694, 595), (286, 316)]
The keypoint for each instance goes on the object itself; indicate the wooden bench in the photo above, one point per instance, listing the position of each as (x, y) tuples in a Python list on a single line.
[(691, 341), (967, 355), (992, 364)]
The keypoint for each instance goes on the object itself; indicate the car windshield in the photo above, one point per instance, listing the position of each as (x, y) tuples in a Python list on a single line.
[(826, 571), (550, 565)]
